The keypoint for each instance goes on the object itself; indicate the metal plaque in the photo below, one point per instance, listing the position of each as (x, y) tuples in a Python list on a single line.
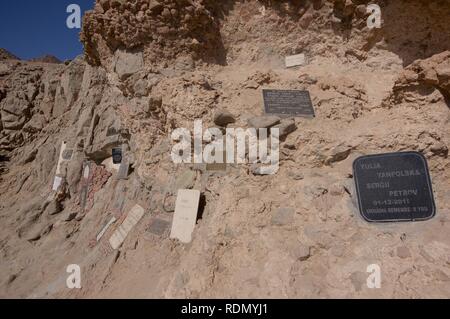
[(288, 102), (394, 187)]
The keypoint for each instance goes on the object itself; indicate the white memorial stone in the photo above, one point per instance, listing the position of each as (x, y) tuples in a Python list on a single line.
[(100, 235), (295, 60), (56, 183), (134, 216), (185, 217), (61, 159)]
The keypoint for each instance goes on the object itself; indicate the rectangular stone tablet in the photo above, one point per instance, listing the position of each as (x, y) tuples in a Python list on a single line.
[(185, 217), (134, 216), (103, 231), (123, 170), (295, 60)]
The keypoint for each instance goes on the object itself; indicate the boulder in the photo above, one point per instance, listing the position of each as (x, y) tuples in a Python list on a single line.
[(286, 127), (15, 104), (36, 124), (71, 82), (128, 63), (264, 121), (223, 118), (53, 208)]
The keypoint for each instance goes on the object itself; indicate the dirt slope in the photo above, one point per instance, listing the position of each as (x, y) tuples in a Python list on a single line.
[(153, 66)]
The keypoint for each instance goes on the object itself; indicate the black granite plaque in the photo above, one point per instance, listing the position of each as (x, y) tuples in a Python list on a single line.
[(394, 187), (288, 103), (117, 155)]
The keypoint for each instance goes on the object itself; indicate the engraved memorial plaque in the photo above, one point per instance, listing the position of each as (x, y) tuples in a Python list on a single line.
[(185, 217), (117, 155), (288, 103), (394, 187)]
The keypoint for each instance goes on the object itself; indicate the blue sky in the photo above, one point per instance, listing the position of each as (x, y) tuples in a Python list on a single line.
[(32, 28)]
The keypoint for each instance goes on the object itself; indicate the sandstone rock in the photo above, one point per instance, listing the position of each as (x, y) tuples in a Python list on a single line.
[(194, 62), (4, 69), (141, 88), (74, 171), (85, 121), (337, 154), (223, 118), (34, 235), (6, 55), (71, 81), (263, 121), (358, 280), (259, 169), (69, 216), (12, 122), (283, 216), (155, 103), (53, 208), (36, 124), (101, 133), (185, 180), (38, 231), (439, 148), (361, 10), (286, 127), (302, 252), (128, 63), (15, 104), (434, 71), (403, 252), (297, 176)]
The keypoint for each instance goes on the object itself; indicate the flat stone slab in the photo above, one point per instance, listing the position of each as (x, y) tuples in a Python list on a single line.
[(185, 217), (263, 121), (61, 158), (123, 170), (103, 231), (57, 183), (295, 60), (121, 233)]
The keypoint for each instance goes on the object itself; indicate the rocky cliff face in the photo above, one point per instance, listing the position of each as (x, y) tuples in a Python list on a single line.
[(153, 66)]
